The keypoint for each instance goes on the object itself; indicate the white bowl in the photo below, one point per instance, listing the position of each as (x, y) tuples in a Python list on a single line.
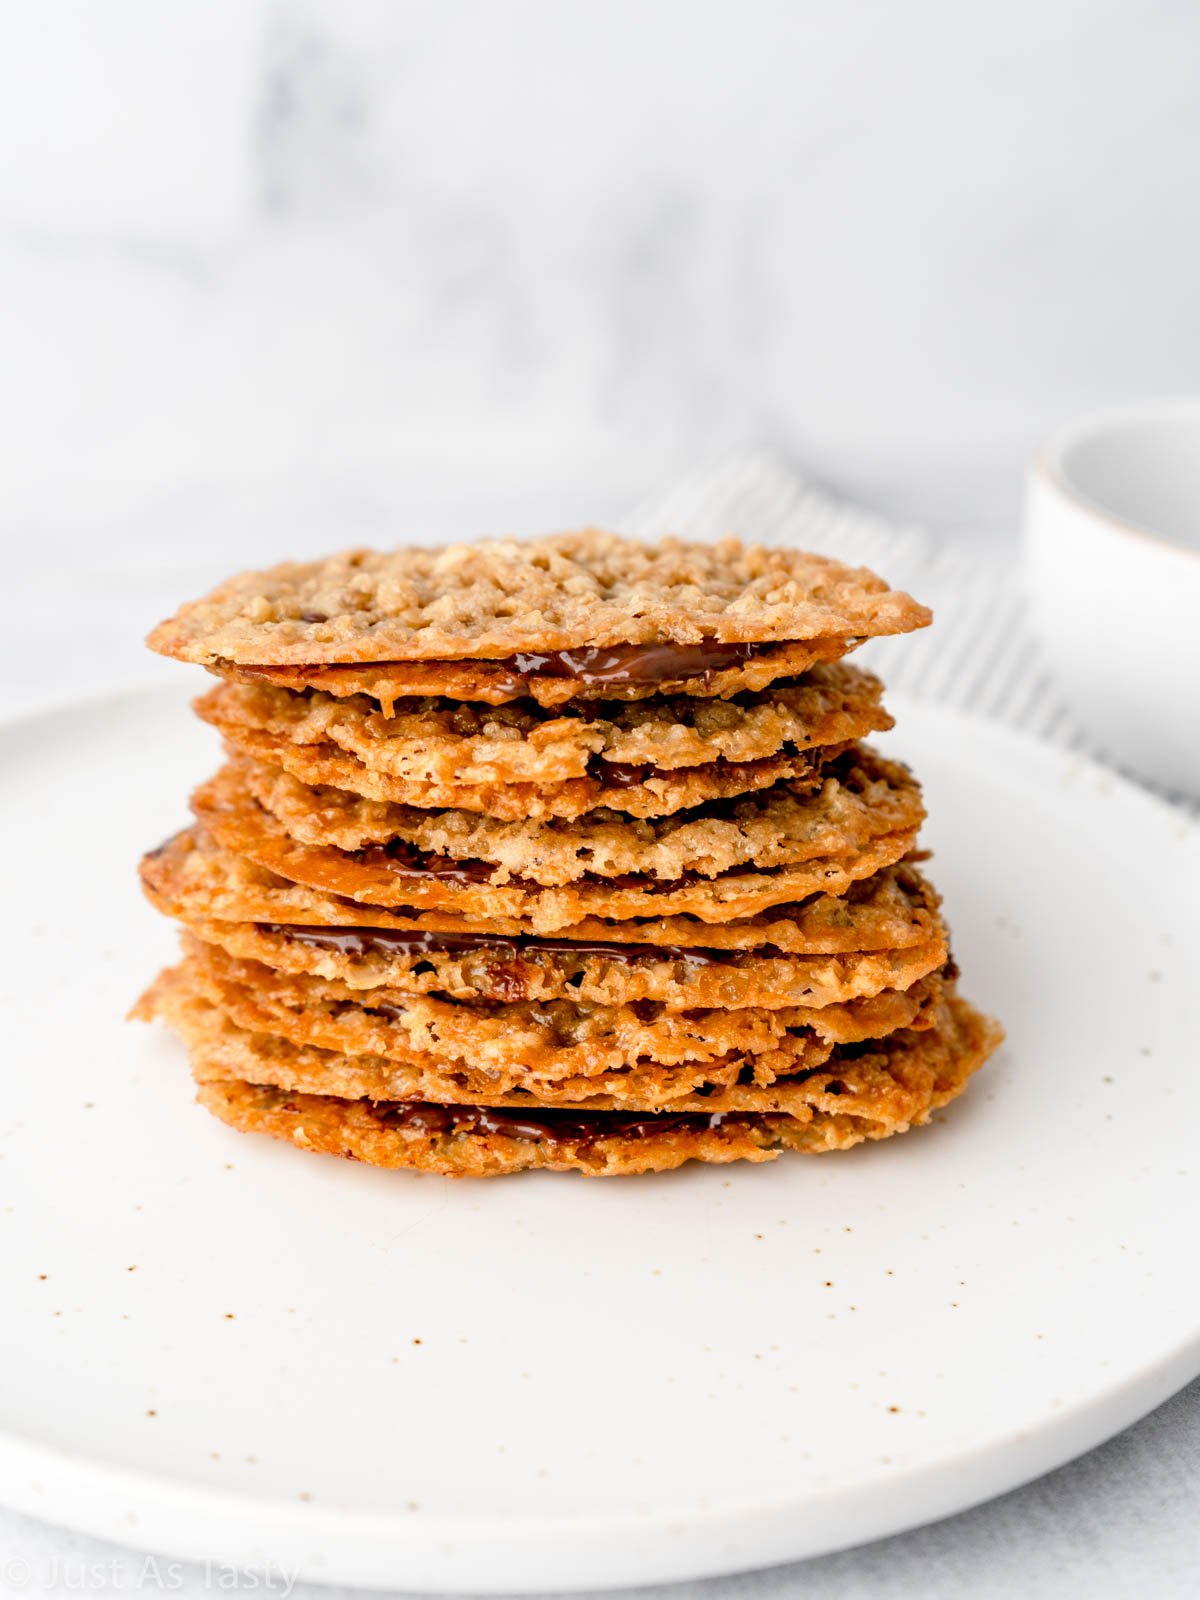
[(1112, 563)]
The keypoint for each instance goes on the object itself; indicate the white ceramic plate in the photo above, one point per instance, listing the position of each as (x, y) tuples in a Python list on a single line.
[(216, 1346)]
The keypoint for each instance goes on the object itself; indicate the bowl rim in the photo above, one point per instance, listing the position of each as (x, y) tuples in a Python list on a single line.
[(1048, 462)]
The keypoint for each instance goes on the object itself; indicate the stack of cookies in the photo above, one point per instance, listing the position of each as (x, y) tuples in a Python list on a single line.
[(564, 854)]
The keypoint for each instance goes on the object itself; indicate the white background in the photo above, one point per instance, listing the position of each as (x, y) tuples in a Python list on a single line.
[(469, 263), (276, 277)]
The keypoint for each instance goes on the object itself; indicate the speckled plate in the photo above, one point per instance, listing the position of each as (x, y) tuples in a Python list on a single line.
[(220, 1347)]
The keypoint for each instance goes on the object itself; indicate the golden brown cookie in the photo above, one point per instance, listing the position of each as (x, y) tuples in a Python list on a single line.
[(192, 877), (256, 915), (477, 966), (626, 672), (764, 830), (440, 742), (501, 600), (864, 817), (637, 791), (562, 853), (538, 1041), (228, 1048), (863, 1093)]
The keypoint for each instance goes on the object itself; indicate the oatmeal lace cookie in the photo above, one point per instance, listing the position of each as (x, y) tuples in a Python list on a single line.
[(502, 599), (867, 1092)]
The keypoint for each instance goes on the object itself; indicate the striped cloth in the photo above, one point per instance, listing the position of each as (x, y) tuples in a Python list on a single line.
[(979, 656)]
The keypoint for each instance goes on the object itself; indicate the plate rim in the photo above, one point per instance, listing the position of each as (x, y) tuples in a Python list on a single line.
[(244, 1521)]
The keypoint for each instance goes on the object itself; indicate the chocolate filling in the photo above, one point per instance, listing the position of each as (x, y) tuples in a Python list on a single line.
[(352, 941), (404, 860), (592, 667), (634, 663), (547, 1126), (628, 774), (621, 774)]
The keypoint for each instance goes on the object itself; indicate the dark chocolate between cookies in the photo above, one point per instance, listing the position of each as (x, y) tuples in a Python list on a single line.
[(560, 854)]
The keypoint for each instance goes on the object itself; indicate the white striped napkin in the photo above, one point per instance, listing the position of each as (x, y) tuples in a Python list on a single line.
[(979, 656)]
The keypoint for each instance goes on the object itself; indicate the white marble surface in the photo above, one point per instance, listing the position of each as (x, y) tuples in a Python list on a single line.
[(279, 276), (479, 247)]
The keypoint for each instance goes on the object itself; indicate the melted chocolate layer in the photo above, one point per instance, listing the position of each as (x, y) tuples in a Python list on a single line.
[(621, 774), (352, 941), (406, 861), (633, 663), (589, 666), (545, 1126)]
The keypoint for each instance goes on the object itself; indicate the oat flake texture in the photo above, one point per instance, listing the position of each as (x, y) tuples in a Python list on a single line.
[(499, 598), (567, 854)]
